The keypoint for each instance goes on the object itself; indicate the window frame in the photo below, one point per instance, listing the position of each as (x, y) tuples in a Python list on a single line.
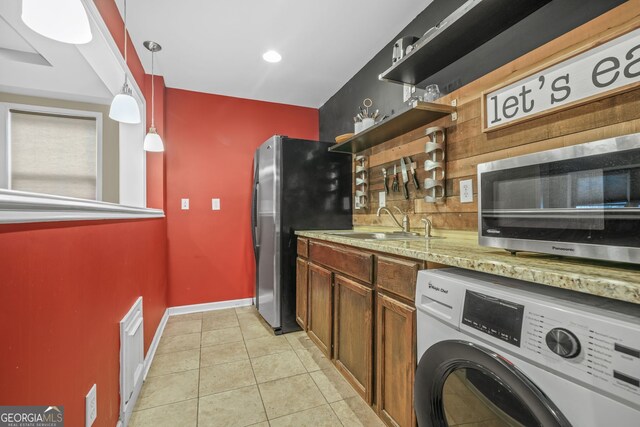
[(105, 57), (6, 143)]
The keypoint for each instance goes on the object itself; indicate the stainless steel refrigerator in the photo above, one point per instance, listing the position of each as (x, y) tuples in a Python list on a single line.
[(298, 185)]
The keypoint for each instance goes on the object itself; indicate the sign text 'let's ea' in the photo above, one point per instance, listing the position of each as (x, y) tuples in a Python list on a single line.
[(606, 68)]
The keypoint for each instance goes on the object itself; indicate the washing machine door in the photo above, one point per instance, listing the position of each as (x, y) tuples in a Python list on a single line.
[(462, 383)]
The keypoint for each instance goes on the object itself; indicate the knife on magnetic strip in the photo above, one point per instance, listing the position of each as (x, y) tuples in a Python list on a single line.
[(412, 166), (405, 178)]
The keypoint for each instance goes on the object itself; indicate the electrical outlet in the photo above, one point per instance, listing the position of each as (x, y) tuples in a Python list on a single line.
[(382, 199), (466, 191), (215, 204), (185, 204), (91, 406)]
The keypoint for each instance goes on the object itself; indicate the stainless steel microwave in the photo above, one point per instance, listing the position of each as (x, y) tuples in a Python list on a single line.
[(581, 201)]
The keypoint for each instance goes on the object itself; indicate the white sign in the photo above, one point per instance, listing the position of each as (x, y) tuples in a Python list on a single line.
[(603, 69)]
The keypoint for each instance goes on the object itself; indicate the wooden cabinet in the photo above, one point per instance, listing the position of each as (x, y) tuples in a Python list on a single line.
[(398, 276), (320, 308), (303, 247), (357, 306), (353, 334), (302, 284), (396, 361), (352, 262)]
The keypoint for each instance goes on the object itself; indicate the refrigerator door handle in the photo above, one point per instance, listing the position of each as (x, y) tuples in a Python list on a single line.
[(254, 218)]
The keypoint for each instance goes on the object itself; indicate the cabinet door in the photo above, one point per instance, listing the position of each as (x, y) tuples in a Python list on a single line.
[(320, 308), (353, 334), (396, 361), (302, 283)]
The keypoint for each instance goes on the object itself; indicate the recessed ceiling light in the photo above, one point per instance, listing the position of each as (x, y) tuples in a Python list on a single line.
[(272, 56)]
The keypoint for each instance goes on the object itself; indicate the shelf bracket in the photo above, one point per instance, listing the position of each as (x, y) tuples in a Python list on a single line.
[(454, 115)]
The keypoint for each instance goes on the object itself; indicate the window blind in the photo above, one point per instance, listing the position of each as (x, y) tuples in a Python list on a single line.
[(53, 154)]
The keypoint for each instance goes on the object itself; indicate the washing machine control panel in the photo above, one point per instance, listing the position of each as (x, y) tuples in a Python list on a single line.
[(598, 350), (499, 318)]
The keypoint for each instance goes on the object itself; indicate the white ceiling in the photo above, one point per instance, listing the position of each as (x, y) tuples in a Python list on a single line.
[(216, 46), (31, 64)]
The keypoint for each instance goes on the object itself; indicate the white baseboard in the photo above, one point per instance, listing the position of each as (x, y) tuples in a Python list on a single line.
[(210, 306), (154, 344)]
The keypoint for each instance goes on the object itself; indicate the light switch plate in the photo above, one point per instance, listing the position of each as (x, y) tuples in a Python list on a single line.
[(215, 204), (466, 191), (382, 199), (185, 204), (91, 406)]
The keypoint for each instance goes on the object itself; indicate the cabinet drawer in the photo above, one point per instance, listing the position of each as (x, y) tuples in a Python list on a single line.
[(348, 261), (303, 247), (398, 275)]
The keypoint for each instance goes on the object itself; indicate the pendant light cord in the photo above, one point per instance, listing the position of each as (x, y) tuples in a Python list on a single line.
[(125, 40), (153, 93)]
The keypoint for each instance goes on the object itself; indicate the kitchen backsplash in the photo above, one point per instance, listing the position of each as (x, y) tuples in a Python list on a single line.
[(467, 146)]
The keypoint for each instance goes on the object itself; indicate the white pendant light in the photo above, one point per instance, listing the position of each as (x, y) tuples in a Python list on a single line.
[(61, 20), (153, 142), (124, 107)]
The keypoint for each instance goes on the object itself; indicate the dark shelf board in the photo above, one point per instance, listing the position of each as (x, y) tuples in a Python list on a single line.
[(470, 26), (420, 114)]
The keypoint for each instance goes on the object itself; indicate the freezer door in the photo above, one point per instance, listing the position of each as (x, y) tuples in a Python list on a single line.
[(267, 232)]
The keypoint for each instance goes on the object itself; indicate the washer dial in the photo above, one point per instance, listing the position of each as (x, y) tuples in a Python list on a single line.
[(563, 343)]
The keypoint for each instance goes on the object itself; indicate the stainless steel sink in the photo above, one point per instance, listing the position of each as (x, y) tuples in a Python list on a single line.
[(399, 235)]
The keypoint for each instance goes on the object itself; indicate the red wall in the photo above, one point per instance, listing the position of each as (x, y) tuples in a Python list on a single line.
[(210, 144), (63, 289)]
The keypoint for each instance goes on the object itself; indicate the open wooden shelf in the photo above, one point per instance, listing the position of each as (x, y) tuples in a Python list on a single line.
[(470, 26), (420, 114)]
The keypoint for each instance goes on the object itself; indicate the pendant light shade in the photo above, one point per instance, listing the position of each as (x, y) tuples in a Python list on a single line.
[(65, 21), (153, 142), (124, 107)]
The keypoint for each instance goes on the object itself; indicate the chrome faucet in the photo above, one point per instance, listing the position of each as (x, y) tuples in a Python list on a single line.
[(428, 225), (405, 226)]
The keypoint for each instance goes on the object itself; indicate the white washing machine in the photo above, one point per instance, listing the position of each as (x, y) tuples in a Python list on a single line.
[(495, 352)]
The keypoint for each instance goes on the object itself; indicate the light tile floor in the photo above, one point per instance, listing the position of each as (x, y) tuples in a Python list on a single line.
[(226, 368)]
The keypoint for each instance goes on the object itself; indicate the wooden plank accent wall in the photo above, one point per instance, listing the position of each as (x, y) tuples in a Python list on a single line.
[(467, 145)]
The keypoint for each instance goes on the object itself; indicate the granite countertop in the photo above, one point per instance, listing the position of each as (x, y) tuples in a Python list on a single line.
[(612, 280)]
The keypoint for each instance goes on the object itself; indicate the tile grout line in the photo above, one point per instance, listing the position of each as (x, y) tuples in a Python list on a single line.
[(166, 404), (173, 373), (325, 398), (308, 409), (264, 408), (199, 366)]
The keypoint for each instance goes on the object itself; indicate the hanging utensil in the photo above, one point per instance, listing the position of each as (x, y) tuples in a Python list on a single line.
[(412, 165), (405, 179), (394, 183)]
